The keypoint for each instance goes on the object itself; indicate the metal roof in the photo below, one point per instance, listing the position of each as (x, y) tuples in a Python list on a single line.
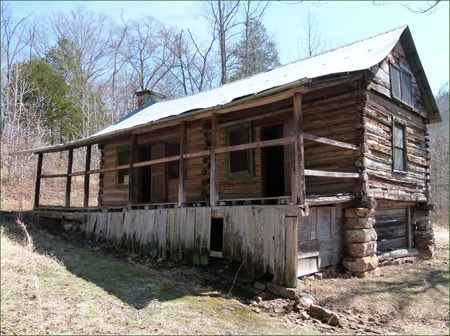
[(350, 58)]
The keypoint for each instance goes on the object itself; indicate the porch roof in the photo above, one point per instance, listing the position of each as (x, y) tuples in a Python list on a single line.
[(350, 58)]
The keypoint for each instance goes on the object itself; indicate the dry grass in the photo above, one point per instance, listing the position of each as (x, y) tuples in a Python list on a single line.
[(85, 291), (407, 299)]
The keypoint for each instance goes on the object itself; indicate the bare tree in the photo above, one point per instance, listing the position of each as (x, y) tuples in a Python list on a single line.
[(312, 43), (192, 69), (439, 163), (222, 18)]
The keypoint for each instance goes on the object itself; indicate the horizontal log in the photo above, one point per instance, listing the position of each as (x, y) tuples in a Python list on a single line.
[(327, 141), (53, 175), (258, 144), (322, 173)]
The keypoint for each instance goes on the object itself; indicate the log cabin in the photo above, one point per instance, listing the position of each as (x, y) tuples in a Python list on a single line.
[(320, 162)]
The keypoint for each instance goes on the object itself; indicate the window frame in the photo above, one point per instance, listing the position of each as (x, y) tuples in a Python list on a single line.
[(118, 172), (396, 124), (401, 86), (251, 169)]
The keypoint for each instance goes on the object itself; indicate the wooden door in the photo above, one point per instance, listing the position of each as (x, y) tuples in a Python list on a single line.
[(158, 177)]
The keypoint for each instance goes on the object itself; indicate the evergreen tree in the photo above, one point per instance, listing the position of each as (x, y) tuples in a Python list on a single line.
[(256, 52), (49, 93)]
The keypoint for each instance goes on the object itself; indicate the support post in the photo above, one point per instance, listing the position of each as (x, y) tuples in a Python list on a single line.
[(87, 167), (182, 166), (132, 185), (69, 178), (37, 189), (214, 178), (298, 192), (409, 242)]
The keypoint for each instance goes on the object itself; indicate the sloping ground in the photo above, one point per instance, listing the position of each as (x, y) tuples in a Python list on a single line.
[(67, 286)]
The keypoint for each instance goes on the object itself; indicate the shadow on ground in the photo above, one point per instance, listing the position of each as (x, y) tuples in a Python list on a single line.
[(133, 283)]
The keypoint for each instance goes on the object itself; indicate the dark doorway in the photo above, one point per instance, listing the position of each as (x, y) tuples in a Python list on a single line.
[(273, 162), (216, 237), (144, 176)]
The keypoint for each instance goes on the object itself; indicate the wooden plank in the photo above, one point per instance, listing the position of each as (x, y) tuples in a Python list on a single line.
[(214, 171), (298, 190), (291, 263), (256, 144), (170, 234), (153, 239), (181, 223), (308, 249), (37, 186), (189, 242), (323, 173), (87, 167), (183, 166), (279, 246), (161, 221), (127, 226), (227, 248), (323, 222), (249, 240), (307, 266), (391, 244), (409, 242), (269, 239), (331, 142), (307, 226), (260, 262), (69, 178), (206, 235)]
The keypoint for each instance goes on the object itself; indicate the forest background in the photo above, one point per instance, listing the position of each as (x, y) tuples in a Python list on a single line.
[(68, 74)]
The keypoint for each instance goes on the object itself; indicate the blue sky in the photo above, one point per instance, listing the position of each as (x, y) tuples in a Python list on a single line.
[(339, 22)]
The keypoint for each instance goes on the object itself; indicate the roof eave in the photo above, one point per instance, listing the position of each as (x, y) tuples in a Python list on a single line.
[(100, 138), (424, 86)]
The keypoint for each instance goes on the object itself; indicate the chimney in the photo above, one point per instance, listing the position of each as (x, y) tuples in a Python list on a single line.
[(145, 98)]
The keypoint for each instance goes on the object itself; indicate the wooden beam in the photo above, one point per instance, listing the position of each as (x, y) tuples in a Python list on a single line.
[(182, 166), (55, 175), (323, 173), (132, 183), (87, 167), (37, 188), (258, 144), (214, 173), (69, 178), (298, 191), (409, 241), (327, 141)]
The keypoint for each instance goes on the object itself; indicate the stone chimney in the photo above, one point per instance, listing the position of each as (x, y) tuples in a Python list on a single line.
[(146, 98)]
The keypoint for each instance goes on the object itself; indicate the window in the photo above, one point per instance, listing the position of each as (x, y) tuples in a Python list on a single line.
[(401, 84), (123, 175), (398, 147), (173, 168), (239, 164)]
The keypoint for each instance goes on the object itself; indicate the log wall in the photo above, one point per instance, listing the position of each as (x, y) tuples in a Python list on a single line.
[(384, 183)]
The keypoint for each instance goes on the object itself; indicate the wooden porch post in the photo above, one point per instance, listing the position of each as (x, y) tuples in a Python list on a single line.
[(214, 178), (182, 166), (87, 167), (298, 192), (69, 178), (132, 183), (37, 189)]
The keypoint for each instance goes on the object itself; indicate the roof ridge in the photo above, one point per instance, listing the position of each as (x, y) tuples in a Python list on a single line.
[(289, 63)]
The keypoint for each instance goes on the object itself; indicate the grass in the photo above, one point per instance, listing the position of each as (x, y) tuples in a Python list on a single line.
[(86, 291), (64, 286)]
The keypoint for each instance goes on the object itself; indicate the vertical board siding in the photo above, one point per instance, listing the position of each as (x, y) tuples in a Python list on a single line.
[(263, 239), (320, 239)]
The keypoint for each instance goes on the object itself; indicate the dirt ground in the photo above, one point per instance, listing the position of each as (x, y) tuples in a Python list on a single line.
[(66, 285)]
